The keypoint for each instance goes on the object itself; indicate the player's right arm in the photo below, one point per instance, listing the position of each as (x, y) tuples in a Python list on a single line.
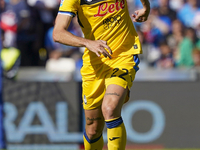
[(61, 35)]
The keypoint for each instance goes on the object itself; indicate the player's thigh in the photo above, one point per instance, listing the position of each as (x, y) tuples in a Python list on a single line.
[(94, 122), (113, 101), (93, 88)]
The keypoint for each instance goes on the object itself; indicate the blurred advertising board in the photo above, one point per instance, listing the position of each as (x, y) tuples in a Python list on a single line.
[(49, 115)]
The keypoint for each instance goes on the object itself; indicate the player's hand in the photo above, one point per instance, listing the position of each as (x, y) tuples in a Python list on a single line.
[(99, 47), (141, 15)]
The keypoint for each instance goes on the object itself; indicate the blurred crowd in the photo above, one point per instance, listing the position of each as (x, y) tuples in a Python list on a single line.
[(27, 25), (170, 37)]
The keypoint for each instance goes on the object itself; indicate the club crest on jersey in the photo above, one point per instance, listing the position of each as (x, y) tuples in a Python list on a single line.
[(105, 8), (61, 3), (135, 46)]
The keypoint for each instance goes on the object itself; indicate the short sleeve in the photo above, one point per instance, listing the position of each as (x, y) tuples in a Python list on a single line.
[(69, 7)]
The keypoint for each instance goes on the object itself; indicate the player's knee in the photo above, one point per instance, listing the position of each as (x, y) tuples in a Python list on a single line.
[(94, 128), (108, 111), (111, 108), (93, 133)]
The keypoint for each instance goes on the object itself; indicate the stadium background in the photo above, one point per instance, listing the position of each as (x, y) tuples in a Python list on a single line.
[(41, 97)]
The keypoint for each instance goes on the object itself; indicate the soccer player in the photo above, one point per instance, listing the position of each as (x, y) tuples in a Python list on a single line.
[(110, 62)]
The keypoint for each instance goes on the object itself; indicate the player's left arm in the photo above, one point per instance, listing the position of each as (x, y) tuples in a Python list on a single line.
[(141, 15)]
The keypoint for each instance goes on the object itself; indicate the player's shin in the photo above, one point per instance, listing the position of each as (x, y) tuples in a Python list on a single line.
[(116, 134), (95, 144)]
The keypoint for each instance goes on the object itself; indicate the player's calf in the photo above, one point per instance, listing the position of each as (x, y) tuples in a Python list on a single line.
[(93, 139)]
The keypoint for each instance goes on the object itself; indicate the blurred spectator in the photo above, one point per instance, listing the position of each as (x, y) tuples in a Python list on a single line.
[(57, 50), (63, 55), (47, 10), (187, 13), (186, 48), (2, 5), (154, 31), (175, 37), (25, 33), (165, 12), (8, 23), (43, 13), (166, 60), (10, 59)]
